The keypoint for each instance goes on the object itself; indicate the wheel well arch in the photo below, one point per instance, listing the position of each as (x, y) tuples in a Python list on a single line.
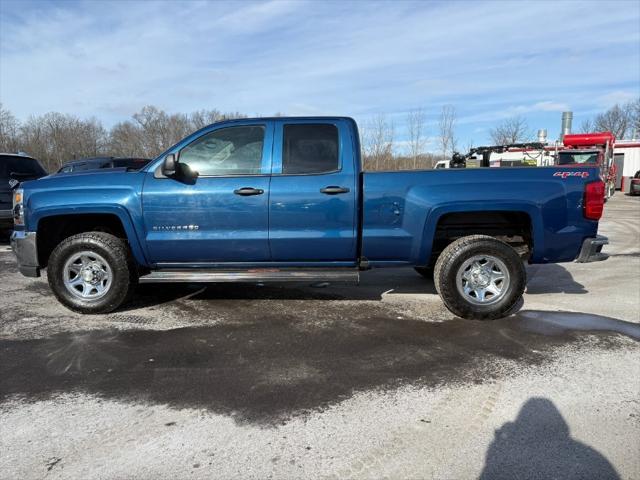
[(514, 227), (51, 230)]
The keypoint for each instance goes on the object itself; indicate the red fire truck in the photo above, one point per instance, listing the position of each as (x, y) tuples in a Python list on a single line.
[(591, 149)]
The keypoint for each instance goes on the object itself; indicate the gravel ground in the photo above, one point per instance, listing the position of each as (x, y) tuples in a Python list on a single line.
[(375, 381)]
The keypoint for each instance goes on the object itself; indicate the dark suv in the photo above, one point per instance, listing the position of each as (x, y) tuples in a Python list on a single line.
[(14, 168), (95, 163)]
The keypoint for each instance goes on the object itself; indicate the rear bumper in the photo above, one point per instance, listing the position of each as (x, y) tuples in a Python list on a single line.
[(591, 250), (24, 246)]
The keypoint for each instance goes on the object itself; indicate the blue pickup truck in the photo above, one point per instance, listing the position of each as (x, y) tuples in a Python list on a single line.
[(284, 199)]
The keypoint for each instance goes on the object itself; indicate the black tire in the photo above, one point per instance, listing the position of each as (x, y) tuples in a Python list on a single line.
[(114, 251), (452, 259), (426, 272)]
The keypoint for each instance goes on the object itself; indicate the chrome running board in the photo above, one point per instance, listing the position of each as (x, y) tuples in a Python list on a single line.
[(251, 275)]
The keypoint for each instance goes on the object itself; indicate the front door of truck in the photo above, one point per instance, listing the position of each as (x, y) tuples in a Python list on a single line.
[(312, 205), (222, 216)]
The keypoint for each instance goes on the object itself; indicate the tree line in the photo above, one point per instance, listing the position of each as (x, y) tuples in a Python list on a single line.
[(55, 138)]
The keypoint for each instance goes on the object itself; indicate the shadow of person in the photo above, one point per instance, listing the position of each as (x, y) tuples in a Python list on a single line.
[(538, 445)]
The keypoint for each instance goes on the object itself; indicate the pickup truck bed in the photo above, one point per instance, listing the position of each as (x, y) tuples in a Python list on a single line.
[(405, 211)]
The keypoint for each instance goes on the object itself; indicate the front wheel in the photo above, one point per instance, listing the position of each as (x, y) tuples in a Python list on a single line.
[(91, 272), (479, 277)]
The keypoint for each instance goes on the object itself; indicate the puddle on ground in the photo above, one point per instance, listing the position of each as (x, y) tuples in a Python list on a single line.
[(553, 323), (265, 370)]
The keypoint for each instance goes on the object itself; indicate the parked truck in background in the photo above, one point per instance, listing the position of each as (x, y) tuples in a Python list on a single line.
[(14, 168), (284, 199), (591, 149), (94, 163)]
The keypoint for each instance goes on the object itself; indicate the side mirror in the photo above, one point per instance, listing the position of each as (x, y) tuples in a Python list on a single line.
[(169, 165), (187, 172)]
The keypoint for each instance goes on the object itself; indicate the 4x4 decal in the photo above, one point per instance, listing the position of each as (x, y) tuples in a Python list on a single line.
[(571, 174)]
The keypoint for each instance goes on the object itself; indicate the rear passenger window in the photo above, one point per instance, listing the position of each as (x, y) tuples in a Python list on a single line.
[(310, 149)]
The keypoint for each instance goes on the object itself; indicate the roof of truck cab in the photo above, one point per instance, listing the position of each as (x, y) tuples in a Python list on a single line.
[(240, 121), (306, 118)]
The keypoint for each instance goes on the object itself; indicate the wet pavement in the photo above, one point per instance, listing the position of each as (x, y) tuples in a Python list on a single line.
[(348, 369), (266, 370)]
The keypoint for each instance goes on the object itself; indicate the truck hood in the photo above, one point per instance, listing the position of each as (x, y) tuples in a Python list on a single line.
[(101, 177), (101, 191)]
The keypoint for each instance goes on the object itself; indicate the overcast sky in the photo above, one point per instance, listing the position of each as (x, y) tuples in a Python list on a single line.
[(491, 60)]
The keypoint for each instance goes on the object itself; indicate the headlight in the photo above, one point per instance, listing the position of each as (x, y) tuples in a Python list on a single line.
[(18, 207)]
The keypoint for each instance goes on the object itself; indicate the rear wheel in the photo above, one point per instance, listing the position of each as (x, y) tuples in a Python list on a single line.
[(479, 277), (91, 272)]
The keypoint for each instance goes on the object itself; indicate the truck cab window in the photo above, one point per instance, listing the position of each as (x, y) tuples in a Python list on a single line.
[(228, 151), (310, 149), (581, 158)]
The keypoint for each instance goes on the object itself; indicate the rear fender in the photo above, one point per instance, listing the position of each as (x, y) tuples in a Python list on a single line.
[(428, 234)]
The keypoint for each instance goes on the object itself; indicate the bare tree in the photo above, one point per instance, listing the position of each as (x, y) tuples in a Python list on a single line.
[(55, 138), (587, 126), (378, 142), (511, 130), (633, 114), (159, 129), (454, 144), (446, 127), (614, 120), (9, 129), (416, 127), (125, 140), (202, 118)]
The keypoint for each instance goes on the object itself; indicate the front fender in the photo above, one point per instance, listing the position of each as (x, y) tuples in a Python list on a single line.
[(113, 209)]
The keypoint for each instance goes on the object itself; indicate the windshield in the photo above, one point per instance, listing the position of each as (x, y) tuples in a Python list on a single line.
[(582, 158), (23, 166)]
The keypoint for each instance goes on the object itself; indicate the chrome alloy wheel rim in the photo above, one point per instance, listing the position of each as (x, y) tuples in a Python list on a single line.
[(483, 280), (87, 275)]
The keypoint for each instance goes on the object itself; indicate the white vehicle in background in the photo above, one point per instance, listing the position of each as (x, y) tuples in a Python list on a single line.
[(626, 156), (542, 156), (442, 164)]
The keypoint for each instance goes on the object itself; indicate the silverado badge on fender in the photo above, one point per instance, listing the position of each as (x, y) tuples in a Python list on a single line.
[(175, 227)]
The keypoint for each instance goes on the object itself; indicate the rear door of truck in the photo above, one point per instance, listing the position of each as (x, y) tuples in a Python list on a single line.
[(313, 195)]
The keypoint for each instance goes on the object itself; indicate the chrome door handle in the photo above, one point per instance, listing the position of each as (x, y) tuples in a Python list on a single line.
[(333, 190), (247, 191)]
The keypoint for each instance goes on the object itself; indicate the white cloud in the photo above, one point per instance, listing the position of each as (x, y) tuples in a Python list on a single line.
[(619, 97)]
